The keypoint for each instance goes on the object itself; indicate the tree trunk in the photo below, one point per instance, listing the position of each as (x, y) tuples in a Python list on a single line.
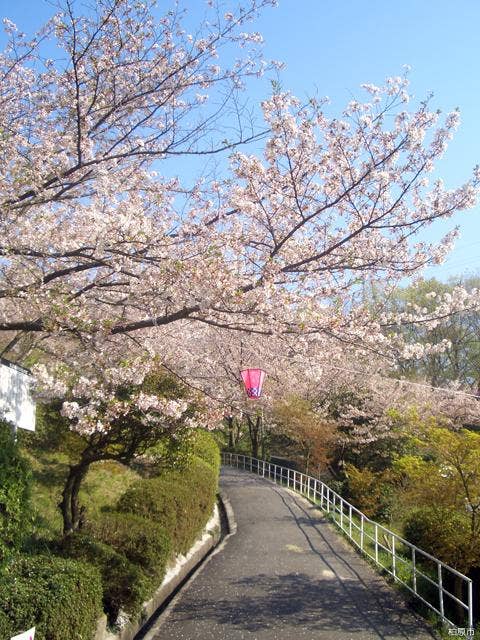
[(69, 506), (231, 434), (458, 593), (254, 431), (307, 460)]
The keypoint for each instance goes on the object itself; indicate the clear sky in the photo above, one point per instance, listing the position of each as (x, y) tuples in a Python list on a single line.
[(330, 47)]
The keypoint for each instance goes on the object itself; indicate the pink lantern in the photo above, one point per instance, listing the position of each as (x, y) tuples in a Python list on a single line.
[(253, 381)]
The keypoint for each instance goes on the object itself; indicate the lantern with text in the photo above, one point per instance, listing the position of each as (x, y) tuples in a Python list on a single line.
[(253, 381)]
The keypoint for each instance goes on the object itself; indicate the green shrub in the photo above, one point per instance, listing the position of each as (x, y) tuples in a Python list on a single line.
[(143, 541), (143, 499), (61, 598), (193, 494), (6, 629), (206, 448), (15, 483), (180, 501), (52, 430), (444, 533), (125, 586), (369, 492)]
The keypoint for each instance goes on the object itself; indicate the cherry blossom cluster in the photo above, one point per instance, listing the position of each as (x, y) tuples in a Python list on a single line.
[(111, 258)]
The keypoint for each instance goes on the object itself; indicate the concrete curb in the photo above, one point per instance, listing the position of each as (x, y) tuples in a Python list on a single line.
[(229, 514)]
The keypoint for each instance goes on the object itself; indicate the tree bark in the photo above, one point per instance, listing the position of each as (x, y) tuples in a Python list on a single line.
[(458, 592), (254, 431), (70, 506), (231, 433)]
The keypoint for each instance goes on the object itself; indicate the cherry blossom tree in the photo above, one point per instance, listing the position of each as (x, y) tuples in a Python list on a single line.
[(120, 419), (109, 257)]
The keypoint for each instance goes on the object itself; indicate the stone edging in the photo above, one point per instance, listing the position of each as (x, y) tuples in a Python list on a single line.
[(173, 578), (229, 514)]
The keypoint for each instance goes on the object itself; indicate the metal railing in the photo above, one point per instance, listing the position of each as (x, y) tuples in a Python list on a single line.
[(418, 571)]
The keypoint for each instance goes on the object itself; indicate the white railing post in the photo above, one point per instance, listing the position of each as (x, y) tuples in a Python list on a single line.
[(376, 543), (334, 508), (440, 589), (414, 569), (470, 604), (288, 477), (322, 491), (362, 526), (350, 520), (328, 500), (394, 559), (341, 514)]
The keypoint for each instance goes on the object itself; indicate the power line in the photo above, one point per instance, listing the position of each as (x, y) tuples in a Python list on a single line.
[(403, 381)]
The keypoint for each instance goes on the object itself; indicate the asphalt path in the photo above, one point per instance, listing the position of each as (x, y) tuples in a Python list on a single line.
[(285, 575)]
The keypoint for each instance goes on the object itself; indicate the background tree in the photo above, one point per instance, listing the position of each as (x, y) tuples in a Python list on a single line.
[(444, 471), (460, 360), (307, 436)]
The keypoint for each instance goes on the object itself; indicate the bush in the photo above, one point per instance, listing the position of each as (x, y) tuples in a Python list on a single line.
[(125, 586), (445, 534), (182, 502), (206, 448), (142, 541), (368, 491), (15, 483), (193, 493), (61, 598), (143, 499)]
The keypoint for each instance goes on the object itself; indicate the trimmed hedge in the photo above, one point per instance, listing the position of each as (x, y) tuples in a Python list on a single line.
[(61, 598), (194, 494), (206, 448), (182, 502), (143, 499), (125, 585), (143, 541)]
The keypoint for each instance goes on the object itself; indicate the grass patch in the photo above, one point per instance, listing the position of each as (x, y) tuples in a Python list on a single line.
[(103, 485)]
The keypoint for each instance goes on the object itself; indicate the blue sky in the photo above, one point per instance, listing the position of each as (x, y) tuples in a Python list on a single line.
[(330, 47)]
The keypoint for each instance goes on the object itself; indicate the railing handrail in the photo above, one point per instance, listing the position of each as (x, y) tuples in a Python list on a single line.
[(305, 484)]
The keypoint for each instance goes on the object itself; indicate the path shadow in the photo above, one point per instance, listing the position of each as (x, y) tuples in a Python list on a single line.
[(296, 600)]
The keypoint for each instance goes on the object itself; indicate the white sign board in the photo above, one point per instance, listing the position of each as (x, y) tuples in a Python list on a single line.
[(27, 635), (16, 402)]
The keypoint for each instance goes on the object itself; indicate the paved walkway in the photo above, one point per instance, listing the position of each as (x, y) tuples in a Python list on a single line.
[(285, 575)]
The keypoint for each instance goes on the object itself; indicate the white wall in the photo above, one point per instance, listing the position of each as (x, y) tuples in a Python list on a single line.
[(16, 402)]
